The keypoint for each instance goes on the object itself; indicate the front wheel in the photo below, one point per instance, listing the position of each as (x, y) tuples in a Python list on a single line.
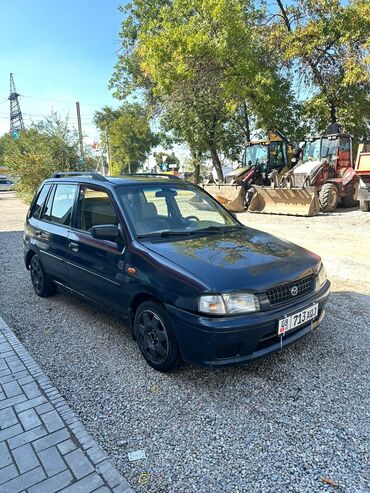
[(328, 197), (41, 282), (155, 336)]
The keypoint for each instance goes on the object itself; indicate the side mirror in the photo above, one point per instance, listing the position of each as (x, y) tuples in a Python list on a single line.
[(105, 232)]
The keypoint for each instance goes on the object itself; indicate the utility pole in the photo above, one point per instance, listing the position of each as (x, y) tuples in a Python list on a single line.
[(80, 131), (16, 118), (108, 150)]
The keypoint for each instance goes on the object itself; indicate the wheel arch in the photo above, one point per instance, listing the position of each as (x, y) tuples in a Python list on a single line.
[(28, 258)]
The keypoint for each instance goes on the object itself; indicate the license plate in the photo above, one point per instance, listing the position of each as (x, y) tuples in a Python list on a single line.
[(297, 319)]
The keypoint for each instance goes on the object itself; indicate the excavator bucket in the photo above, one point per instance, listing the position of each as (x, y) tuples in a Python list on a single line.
[(232, 197), (290, 201)]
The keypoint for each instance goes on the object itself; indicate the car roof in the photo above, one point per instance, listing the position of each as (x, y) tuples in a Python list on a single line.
[(109, 181)]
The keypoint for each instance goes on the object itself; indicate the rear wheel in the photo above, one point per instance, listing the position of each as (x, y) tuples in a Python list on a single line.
[(349, 201), (328, 197), (365, 205), (41, 282), (155, 336)]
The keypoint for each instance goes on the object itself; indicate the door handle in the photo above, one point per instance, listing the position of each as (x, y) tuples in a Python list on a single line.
[(73, 246)]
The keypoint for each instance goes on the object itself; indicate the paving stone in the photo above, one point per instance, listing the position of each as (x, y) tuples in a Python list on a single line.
[(53, 484), (30, 403), (7, 473), (15, 364), (3, 365), (11, 389), (52, 461), (25, 458), (24, 481), (12, 401), (66, 447), (85, 485), (7, 418), (51, 439), (27, 436), (29, 419), (31, 390), (10, 432), (52, 421), (79, 463), (44, 408), (5, 457)]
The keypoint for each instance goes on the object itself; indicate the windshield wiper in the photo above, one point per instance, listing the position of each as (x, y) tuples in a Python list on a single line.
[(217, 229), (164, 234)]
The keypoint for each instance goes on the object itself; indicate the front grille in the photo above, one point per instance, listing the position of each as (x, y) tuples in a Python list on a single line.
[(283, 294)]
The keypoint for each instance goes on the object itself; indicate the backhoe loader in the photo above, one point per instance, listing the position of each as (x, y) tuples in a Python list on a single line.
[(323, 175), (260, 158)]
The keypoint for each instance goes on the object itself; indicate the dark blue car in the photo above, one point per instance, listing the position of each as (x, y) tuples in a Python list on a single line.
[(191, 281)]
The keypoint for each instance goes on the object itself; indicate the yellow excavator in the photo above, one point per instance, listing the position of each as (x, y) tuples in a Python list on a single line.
[(322, 177), (260, 159)]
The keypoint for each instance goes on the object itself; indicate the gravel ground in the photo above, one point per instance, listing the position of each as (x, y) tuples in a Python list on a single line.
[(279, 425)]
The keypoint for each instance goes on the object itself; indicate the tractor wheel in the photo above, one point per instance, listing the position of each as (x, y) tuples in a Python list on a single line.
[(349, 201), (365, 205), (328, 197)]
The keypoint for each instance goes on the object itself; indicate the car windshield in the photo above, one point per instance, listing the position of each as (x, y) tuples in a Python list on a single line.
[(172, 209), (311, 150), (255, 154), (329, 148)]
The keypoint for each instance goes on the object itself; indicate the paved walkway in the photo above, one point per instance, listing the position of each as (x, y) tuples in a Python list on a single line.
[(44, 448)]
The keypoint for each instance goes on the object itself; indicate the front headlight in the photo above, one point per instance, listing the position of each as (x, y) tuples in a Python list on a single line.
[(322, 275), (228, 304)]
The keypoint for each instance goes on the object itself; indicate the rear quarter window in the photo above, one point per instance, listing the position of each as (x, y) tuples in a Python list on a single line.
[(39, 202)]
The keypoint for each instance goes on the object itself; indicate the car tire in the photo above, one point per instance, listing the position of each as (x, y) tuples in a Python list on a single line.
[(328, 197), (41, 282), (156, 337)]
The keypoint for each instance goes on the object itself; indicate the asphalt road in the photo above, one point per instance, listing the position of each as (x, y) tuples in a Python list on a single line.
[(293, 422)]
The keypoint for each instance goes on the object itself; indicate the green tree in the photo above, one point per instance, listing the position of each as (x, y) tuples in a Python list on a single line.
[(328, 42), (45, 148), (130, 135), (199, 62)]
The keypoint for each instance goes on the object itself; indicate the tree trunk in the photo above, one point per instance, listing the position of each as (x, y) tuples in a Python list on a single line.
[(217, 163), (247, 126), (196, 157), (333, 113)]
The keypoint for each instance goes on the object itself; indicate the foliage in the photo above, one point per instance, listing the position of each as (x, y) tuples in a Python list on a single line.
[(45, 148), (130, 135), (328, 42), (199, 62)]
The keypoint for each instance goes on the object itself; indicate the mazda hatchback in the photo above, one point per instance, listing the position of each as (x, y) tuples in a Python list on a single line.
[(190, 280)]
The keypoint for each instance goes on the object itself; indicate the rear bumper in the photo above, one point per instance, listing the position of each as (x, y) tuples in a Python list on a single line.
[(229, 341)]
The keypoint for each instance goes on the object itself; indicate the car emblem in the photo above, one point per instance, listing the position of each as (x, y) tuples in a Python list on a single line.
[(294, 291)]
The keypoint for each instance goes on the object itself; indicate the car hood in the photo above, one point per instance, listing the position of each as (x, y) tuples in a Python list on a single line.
[(241, 259)]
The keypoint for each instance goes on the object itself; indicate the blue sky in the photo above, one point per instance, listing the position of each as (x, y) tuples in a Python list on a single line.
[(60, 52)]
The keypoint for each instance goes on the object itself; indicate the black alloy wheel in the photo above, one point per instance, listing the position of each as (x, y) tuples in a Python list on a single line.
[(41, 283), (155, 336)]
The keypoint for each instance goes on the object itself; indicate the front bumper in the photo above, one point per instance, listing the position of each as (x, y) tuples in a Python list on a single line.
[(229, 341)]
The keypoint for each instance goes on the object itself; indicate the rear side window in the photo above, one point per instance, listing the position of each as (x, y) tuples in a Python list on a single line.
[(62, 206), (94, 208), (37, 206)]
